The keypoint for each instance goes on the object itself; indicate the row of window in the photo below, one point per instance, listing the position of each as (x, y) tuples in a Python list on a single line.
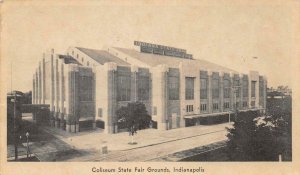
[(82, 59), (226, 105), (189, 95), (124, 83)]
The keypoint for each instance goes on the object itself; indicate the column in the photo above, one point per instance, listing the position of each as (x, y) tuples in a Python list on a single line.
[(52, 92), (56, 98), (40, 83), (62, 97), (43, 79), (160, 95), (232, 93), (112, 98), (210, 102), (33, 90), (221, 80)]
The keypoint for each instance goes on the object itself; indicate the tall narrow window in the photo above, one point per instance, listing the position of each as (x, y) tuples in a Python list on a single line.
[(173, 85), (124, 85), (261, 88), (189, 88), (253, 83), (143, 88), (86, 88), (215, 88), (237, 87), (226, 88), (63, 89), (203, 88), (245, 88)]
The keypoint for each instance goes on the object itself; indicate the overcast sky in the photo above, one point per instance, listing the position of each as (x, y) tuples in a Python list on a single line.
[(226, 34)]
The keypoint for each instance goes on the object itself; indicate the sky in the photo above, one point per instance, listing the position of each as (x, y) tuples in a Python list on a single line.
[(253, 36)]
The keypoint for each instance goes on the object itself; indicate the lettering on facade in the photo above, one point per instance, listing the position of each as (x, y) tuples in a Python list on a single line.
[(162, 50)]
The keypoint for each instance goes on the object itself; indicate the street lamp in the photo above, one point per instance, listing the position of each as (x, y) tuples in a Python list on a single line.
[(27, 135), (14, 100)]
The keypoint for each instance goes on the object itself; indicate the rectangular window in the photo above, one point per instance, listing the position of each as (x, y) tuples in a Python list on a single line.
[(226, 88), (245, 88), (203, 88), (226, 105), (215, 106), (85, 88), (124, 85), (252, 103), (99, 112), (189, 108), (237, 88), (143, 87), (173, 85), (215, 88), (253, 83), (203, 107), (261, 88), (189, 88), (245, 104)]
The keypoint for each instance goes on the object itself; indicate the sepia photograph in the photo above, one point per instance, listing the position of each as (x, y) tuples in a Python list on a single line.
[(149, 87)]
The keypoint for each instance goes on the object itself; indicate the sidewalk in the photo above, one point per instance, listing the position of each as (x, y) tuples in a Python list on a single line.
[(95, 139)]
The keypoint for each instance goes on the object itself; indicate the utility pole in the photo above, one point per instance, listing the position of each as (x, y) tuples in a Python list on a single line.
[(15, 127)]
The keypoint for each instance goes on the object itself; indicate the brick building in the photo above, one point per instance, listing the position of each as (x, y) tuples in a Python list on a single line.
[(86, 86)]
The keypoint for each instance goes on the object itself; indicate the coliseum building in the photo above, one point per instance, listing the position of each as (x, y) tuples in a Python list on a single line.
[(85, 87)]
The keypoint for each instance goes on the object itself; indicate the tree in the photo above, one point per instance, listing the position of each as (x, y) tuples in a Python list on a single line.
[(134, 117), (252, 138)]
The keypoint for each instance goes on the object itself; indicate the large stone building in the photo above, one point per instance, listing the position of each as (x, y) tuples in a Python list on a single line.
[(86, 86)]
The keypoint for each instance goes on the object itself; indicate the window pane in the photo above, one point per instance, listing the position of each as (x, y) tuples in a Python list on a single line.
[(124, 84), (245, 88), (189, 88), (203, 88), (143, 88), (215, 88), (226, 88), (173, 86), (253, 88), (85, 88)]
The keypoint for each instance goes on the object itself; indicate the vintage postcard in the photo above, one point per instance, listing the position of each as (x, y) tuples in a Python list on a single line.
[(149, 87)]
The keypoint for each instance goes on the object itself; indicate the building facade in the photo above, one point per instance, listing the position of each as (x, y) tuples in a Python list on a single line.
[(86, 87)]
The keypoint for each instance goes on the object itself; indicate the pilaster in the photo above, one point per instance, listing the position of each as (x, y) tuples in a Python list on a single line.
[(221, 78), (210, 101), (110, 125)]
